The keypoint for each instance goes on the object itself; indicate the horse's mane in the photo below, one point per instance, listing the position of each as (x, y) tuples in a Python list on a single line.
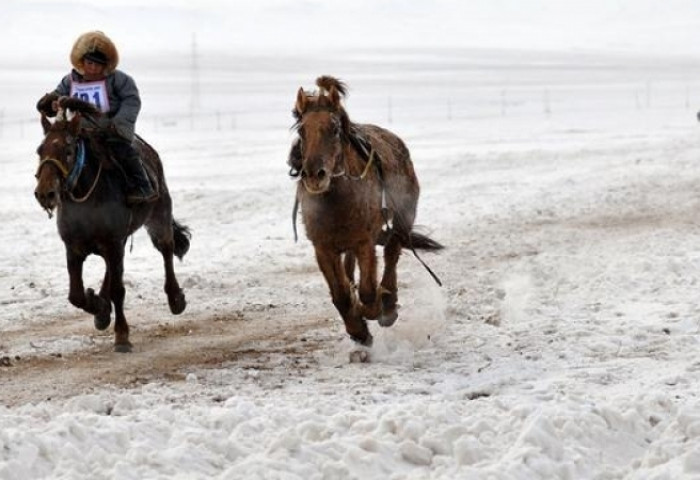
[(325, 82)]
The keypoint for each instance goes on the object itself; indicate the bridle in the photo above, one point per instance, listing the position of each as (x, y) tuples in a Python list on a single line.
[(340, 160), (360, 147), (70, 176), (56, 163)]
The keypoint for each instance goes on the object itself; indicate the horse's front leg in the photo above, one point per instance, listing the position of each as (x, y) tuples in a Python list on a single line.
[(115, 270), (342, 295), (367, 261), (103, 320), (349, 264), (77, 295)]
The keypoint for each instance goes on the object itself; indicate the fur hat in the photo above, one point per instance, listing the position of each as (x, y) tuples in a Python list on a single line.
[(94, 45)]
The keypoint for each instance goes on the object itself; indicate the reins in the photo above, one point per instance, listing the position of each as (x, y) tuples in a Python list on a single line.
[(90, 191), (364, 173), (75, 173)]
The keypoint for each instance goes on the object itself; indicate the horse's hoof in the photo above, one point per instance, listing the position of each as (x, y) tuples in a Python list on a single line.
[(102, 320), (177, 304), (387, 319), (123, 347), (104, 309), (389, 312)]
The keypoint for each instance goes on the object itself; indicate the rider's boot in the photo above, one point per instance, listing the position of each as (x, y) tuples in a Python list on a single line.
[(139, 188)]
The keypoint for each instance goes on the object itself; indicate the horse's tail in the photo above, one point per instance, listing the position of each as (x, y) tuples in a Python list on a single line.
[(412, 241), (181, 237), (422, 242)]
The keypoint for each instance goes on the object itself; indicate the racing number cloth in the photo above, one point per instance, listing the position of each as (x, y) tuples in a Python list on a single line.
[(92, 92)]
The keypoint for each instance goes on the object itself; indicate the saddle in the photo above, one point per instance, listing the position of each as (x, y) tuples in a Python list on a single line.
[(149, 160), (96, 139)]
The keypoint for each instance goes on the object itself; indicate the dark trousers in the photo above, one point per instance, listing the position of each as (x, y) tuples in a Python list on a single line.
[(129, 159)]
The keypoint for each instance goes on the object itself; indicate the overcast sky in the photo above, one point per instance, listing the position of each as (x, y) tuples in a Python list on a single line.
[(640, 26)]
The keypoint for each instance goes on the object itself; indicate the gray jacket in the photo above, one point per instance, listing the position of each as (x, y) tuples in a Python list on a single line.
[(124, 101)]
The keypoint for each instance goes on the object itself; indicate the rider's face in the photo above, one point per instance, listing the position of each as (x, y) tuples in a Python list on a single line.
[(93, 71)]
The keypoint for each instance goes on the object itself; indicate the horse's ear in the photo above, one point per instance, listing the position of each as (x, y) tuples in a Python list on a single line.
[(45, 124), (300, 106)]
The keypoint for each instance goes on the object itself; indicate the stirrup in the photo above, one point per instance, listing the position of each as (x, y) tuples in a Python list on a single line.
[(141, 196)]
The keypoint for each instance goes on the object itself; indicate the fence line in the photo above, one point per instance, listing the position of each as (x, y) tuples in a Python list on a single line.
[(501, 102)]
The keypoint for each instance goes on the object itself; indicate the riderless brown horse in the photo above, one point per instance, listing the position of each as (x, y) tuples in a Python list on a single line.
[(76, 178), (357, 189)]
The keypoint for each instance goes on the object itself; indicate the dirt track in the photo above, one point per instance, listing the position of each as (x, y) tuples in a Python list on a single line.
[(162, 352)]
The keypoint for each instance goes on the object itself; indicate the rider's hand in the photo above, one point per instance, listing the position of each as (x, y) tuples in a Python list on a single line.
[(47, 104)]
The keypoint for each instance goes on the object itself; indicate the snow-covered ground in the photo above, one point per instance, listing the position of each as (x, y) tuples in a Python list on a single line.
[(564, 342)]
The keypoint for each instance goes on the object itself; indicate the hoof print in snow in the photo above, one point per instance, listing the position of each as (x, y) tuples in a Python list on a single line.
[(359, 356)]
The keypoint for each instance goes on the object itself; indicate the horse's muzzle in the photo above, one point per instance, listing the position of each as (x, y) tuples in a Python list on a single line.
[(316, 185), (315, 177), (49, 196)]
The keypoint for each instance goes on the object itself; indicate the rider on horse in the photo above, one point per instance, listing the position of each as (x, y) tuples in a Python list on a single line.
[(95, 79)]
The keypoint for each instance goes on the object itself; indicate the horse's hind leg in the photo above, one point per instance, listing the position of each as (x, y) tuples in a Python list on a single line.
[(342, 295), (176, 298), (161, 232), (115, 270), (388, 285), (399, 237)]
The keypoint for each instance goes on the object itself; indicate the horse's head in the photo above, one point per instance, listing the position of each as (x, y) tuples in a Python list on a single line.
[(57, 156), (322, 124)]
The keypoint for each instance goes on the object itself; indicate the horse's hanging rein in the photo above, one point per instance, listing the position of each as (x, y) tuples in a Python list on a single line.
[(75, 173)]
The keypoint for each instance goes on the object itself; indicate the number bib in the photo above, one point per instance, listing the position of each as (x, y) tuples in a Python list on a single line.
[(92, 92)]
